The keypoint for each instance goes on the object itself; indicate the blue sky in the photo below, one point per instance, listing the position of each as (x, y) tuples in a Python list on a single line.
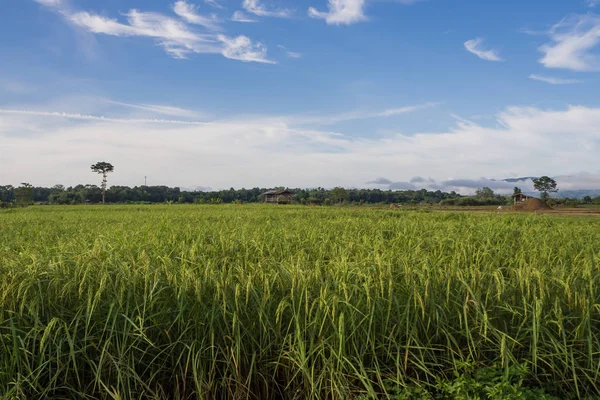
[(220, 93)]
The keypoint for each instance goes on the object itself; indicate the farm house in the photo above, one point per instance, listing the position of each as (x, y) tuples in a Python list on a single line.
[(278, 196), (521, 197)]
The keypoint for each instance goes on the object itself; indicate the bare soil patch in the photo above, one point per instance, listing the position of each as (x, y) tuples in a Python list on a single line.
[(530, 205)]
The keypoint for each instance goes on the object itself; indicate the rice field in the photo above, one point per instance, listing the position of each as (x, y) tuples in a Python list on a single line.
[(284, 302)]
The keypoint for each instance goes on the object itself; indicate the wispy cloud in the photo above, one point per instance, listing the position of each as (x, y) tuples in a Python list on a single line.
[(189, 13), (50, 3), (158, 109), (241, 48), (553, 81), (341, 12), (573, 41), (404, 110), (475, 46), (290, 54), (356, 115), (86, 117), (239, 16), (592, 3), (255, 7), (214, 3), (176, 37)]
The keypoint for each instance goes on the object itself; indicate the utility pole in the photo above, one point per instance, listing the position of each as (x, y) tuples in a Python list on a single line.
[(145, 181)]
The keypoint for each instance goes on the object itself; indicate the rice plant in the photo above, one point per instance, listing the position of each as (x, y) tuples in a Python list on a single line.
[(258, 302)]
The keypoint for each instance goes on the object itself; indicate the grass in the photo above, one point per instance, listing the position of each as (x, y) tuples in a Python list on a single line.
[(187, 302)]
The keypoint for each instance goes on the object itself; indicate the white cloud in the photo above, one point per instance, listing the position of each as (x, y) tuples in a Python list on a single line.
[(213, 3), (239, 16), (159, 109), (573, 41), (176, 37), (86, 117), (241, 48), (49, 3), (475, 46), (290, 54), (592, 3), (190, 14), (553, 81), (255, 7), (408, 109), (341, 12), (357, 115), (98, 24), (526, 141), (346, 12)]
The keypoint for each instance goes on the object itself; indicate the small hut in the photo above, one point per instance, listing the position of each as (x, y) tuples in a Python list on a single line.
[(278, 196), (521, 197)]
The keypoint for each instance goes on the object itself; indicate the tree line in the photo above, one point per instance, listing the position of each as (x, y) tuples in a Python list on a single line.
[(86, 194), (92, 194)]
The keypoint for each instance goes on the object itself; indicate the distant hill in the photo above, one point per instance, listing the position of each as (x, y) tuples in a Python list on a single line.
[(526, 178), (196, 189), (577, 194), (571, 194)]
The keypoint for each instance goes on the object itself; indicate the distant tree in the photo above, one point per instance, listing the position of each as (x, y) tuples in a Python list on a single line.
[(545, 185), (338, 194), (484, 193), (516, 191), (103, 168), (587, 199), (24, 194), (7, 193), (302, 195)]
